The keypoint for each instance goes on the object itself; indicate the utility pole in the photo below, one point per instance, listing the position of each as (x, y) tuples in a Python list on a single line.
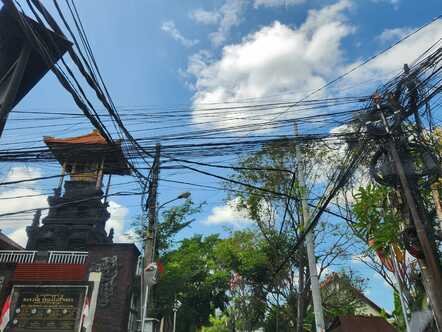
[(309, 242), (149, 245), (438, 206), (430, 266)]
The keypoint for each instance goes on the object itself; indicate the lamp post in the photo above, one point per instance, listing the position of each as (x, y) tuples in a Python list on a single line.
[(176, 306), (150, 271)]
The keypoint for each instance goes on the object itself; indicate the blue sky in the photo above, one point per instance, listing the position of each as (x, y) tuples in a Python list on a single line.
[(161, 54)]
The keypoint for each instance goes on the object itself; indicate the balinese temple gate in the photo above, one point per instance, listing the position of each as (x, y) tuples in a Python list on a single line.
[(72, 277)]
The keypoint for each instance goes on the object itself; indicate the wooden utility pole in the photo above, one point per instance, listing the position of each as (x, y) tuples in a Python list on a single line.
[(430, 266), (309, 243), (151, 205), (149, 244), (436, 198)]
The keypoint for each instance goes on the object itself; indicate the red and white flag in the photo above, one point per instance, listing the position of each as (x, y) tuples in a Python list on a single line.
[(85, 313), (5, 316)]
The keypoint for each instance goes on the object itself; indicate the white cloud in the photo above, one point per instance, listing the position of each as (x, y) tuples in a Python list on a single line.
[(277, 3), (393, 35), (15, 225), (170, 28), (205, 17), (228, 214), (129, 236), (278, 60), (117, 222), (273, 60), (392, 61), (394, 3), (229, 16), (19, 236), (22, 173)]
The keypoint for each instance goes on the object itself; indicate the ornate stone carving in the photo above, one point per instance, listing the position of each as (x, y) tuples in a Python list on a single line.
[(108, 266)]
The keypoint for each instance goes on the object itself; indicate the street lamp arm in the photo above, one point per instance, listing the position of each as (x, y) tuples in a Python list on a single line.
[(184, 195)]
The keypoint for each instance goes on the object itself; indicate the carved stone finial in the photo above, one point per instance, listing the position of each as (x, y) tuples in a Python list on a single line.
[(36, 219), (57, 192), (111, 235)]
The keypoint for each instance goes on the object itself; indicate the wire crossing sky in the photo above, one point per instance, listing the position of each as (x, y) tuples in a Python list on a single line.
[(212, 82)]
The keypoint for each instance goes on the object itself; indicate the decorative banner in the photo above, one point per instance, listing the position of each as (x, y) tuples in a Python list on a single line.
[(47, 308), (5, 314)]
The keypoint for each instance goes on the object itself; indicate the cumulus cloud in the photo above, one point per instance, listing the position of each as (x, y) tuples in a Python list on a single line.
[(24, 196), (170, 28), (393, 35), (392, 61), (277, 3), (117, 221), (19, 236), (205, 17), (229, 16), (22, 173), (273, 60), (228, 214), (279, 59)]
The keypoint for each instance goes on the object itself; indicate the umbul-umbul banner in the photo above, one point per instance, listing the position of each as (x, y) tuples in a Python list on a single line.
[(4, 318)]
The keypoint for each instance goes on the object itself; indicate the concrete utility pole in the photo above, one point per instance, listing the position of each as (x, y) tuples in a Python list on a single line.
[(430, 266), (309, 242)]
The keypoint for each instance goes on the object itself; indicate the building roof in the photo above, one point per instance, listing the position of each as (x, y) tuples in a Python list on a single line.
[(93, 138), (360, 324), (7, 243), (333, 277), (91, 147)]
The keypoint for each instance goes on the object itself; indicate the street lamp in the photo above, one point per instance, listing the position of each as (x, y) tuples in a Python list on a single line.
[(183, 195), (151, 269)]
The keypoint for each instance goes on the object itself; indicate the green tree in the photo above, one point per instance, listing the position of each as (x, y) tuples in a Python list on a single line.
[(244, 255), (377, 220), (398, 313), (266, 173), (193, 276), (217, 324), (171, 222)]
